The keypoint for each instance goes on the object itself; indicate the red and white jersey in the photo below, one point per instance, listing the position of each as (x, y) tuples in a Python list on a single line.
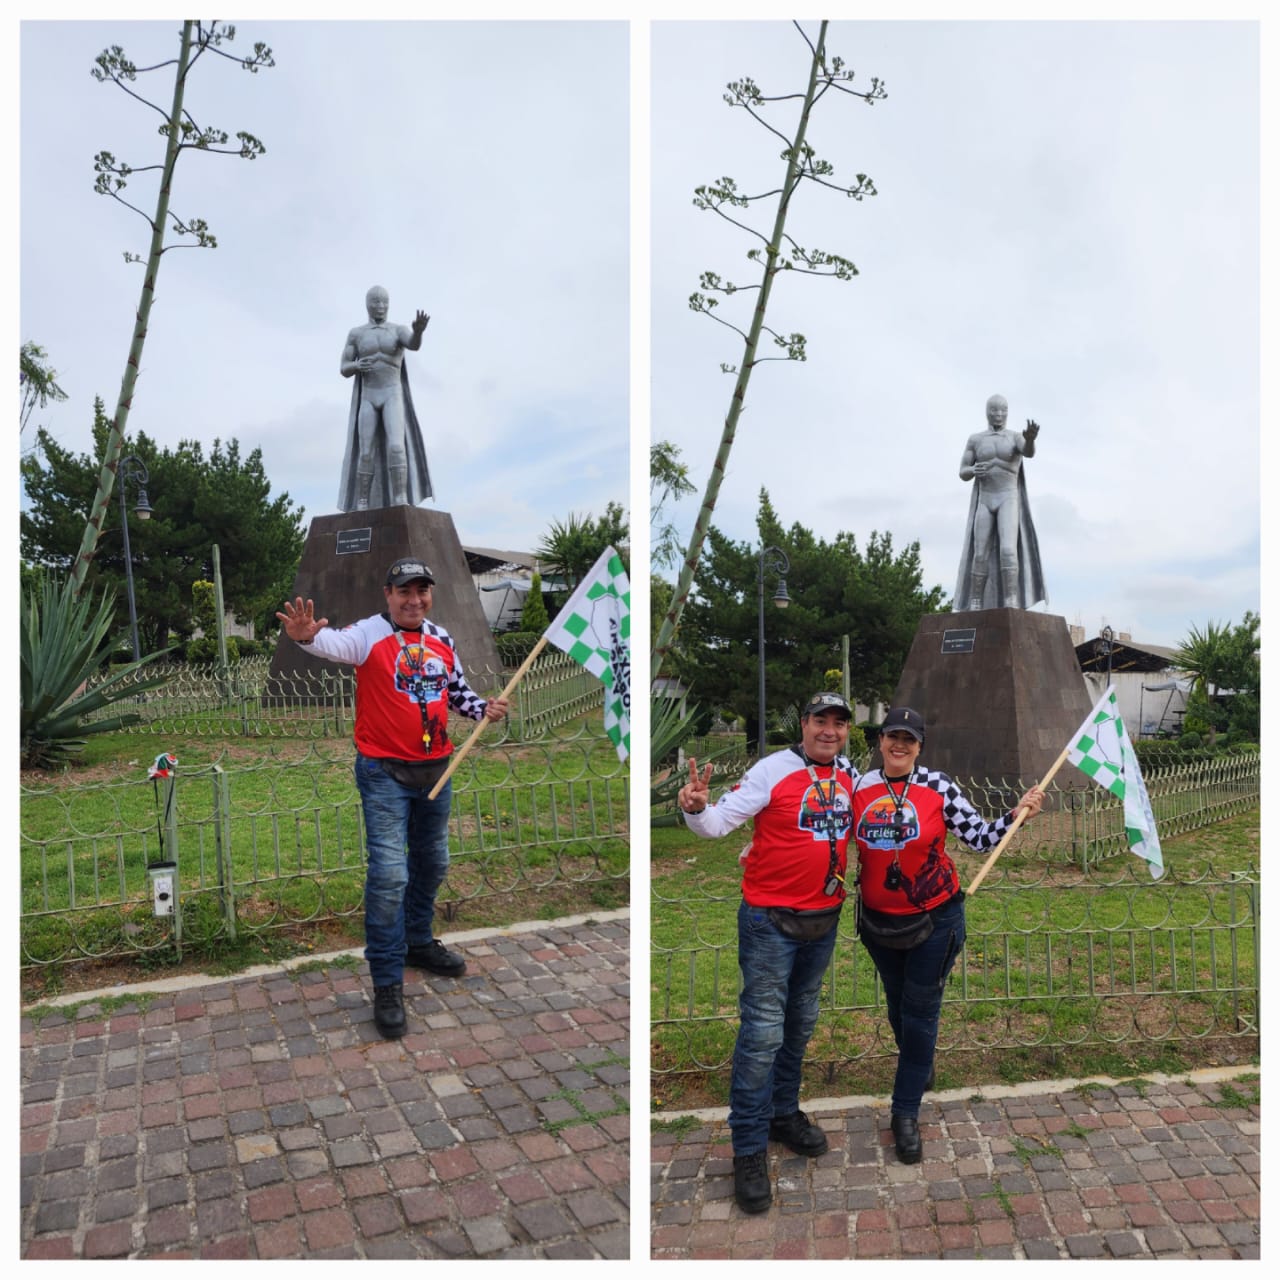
[(790, 855), (397, 674), (930, 805)]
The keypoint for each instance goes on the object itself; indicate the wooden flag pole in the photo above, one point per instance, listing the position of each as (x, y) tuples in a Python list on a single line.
[(479, 729), (1018, 820)]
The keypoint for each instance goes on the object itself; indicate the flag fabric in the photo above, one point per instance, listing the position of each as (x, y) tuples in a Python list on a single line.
[(1101, 749), (594, 629)]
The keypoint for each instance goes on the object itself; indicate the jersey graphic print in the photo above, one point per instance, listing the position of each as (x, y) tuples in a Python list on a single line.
[(878, 827), (825, 806), (934, 878), (420, 674)]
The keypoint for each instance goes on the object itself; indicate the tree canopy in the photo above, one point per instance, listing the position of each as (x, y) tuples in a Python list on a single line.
[(37, 382), (571, 546), (1224, 659), (872, 594), (197, 500)]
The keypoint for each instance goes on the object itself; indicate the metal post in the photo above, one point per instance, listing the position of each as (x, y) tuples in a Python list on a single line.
[(171, 852), (132, 468), (222, 849), (775, 560), (128, 575)]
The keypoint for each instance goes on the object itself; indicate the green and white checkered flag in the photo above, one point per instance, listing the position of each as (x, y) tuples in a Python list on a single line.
[(1101, 749), (594, 629)]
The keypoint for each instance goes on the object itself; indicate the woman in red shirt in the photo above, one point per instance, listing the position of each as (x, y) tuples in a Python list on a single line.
[(910, 904)]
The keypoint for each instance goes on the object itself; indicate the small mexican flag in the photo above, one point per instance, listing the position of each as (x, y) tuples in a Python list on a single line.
[(594, 629), (1101, 748)]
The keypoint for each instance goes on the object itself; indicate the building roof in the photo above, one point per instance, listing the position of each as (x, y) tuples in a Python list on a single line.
[(488, 559), (1126, 655)]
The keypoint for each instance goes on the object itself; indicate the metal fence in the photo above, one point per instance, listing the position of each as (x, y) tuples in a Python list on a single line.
[(271, 836), (243, 699), (1070, 942)]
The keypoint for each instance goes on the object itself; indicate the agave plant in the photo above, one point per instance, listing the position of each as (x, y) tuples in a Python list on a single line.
[(63, 647)]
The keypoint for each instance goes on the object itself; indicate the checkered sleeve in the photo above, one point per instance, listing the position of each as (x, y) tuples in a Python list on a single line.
[(962, 819), (462, 697)]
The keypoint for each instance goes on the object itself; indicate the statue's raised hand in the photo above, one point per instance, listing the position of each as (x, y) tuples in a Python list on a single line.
[(420, 322), (1033, 430)]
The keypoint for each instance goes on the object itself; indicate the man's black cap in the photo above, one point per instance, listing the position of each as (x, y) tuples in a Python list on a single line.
[(827, 702), (905, 720), (406, 571)]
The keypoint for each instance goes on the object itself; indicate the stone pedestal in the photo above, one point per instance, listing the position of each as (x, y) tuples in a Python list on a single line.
[(344, 566), (1001, 692)]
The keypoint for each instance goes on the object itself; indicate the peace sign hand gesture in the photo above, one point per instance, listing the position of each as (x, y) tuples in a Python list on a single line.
[(695, 795)]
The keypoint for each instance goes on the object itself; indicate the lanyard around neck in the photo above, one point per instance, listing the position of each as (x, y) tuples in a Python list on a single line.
[(833, 880), (417, 670)]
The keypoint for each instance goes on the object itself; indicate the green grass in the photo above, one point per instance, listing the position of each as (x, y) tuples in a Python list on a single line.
[(536, 831), (574, 1098), (1065, 971), (135, 1002), (1229, 1097), (1026, 1149)]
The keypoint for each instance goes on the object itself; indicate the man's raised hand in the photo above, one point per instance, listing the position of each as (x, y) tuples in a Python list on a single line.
[(300, 622), (696, 793)]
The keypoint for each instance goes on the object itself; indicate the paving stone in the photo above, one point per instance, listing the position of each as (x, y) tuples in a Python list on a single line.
[(263, 1117)]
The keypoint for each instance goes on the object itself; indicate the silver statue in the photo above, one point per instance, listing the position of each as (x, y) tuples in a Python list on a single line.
[(1000, 562), (385, 463)]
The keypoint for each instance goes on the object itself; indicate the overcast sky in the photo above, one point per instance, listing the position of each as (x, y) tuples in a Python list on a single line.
[(479, 171), (1067, 215)]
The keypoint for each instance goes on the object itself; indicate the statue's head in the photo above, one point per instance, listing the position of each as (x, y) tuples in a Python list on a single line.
[(376, 302), (997, 412)]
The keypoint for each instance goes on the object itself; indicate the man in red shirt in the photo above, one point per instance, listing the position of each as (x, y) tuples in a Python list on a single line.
[(408, 675), (800, 801)]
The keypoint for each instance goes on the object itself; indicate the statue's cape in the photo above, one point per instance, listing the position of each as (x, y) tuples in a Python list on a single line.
[(419, 478), (1030, 577)]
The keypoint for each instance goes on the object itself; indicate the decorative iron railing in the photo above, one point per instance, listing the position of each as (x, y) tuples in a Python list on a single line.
[(243, 699), (1070, 941), (277, 840)]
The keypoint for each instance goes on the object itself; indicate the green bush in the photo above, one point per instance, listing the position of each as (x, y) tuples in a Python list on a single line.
[(1190, 739), (533, 617), (205, 649)]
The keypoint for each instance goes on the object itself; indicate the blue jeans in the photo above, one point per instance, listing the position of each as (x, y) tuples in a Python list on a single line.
[(781, 979), (408, 842), (913, 982)]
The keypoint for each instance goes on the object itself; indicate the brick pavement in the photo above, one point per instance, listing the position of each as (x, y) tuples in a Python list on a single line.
[(263, 1117), (1167, 1169)]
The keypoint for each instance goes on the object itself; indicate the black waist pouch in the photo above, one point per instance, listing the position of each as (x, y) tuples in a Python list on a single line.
[(422, 774), (898, 933), (804, 926)]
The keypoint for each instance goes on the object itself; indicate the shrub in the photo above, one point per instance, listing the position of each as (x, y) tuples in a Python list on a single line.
[(62, 643), (205, 649), (533, 617)]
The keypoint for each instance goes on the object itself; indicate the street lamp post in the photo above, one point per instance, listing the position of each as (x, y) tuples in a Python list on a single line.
[(132, 468), (775, 561), (1105, 646)]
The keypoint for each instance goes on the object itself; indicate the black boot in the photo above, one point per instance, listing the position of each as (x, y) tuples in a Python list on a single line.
[(751, 1187), (799, 1133), (906, 1138), (388, 1010)]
